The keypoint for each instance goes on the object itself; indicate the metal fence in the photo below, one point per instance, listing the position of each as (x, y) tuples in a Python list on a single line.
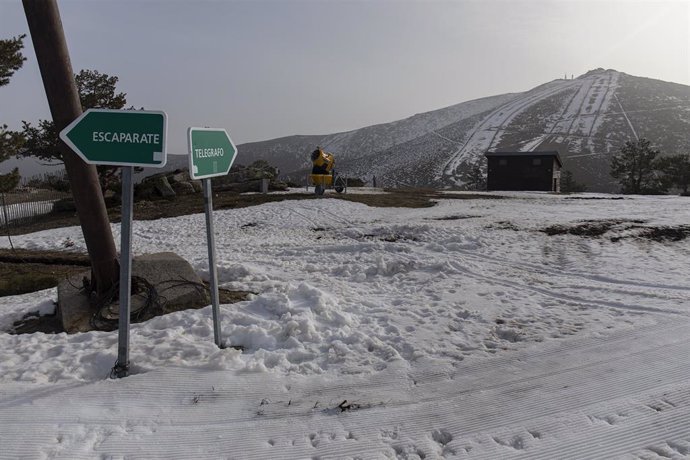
[(30, 200), (26, 205)]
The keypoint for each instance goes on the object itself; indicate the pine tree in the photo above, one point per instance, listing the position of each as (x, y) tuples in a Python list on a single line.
[(11, 60), (568, 183), (96, 90), (636, 169), (676, 171)]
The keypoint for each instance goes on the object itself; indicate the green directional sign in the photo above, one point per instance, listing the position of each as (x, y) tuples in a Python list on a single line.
[(119, 137), (211, 152)]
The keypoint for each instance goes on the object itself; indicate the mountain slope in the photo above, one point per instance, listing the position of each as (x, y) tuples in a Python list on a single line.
[(292, 153), (586, 119)]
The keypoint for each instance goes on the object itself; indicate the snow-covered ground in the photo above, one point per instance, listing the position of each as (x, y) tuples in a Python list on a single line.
[(457, 331)]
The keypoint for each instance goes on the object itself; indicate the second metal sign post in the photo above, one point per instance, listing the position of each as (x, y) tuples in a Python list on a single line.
[(211, 154)]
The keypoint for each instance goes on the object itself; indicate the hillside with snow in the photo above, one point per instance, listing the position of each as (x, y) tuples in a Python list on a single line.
[(586, 119), (529, 326)]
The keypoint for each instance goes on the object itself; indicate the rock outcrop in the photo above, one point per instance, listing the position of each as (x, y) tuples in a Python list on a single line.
[(240, 179)]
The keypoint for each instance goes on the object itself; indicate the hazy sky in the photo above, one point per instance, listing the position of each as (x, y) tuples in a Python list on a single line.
[(264, 69)]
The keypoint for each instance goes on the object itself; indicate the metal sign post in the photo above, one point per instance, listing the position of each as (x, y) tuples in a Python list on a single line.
[(213, 271), (124, 138), (121, 368), (211, 154)]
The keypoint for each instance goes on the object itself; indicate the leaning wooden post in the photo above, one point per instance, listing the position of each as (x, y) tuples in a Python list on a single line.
[(52, 55)]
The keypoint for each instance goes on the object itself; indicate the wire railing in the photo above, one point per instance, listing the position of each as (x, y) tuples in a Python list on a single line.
[(25, 205)]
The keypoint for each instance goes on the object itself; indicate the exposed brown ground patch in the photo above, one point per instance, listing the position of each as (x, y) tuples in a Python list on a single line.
[(193, 204), (24, 270)]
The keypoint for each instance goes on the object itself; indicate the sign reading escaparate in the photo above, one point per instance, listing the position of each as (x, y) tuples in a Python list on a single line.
[(119, 137), (211, 152), (132, 138)]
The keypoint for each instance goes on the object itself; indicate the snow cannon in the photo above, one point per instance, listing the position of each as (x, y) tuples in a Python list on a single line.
[(322, 174)]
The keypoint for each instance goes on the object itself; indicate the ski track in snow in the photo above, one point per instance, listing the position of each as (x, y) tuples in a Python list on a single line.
[(480, 139), (458, 331), (579, 120)]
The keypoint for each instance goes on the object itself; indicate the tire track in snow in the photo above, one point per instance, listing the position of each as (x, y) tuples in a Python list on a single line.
[(553, 271), (562, 278), (563, 297), (541, 269), (319, 212), (333, 215)]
